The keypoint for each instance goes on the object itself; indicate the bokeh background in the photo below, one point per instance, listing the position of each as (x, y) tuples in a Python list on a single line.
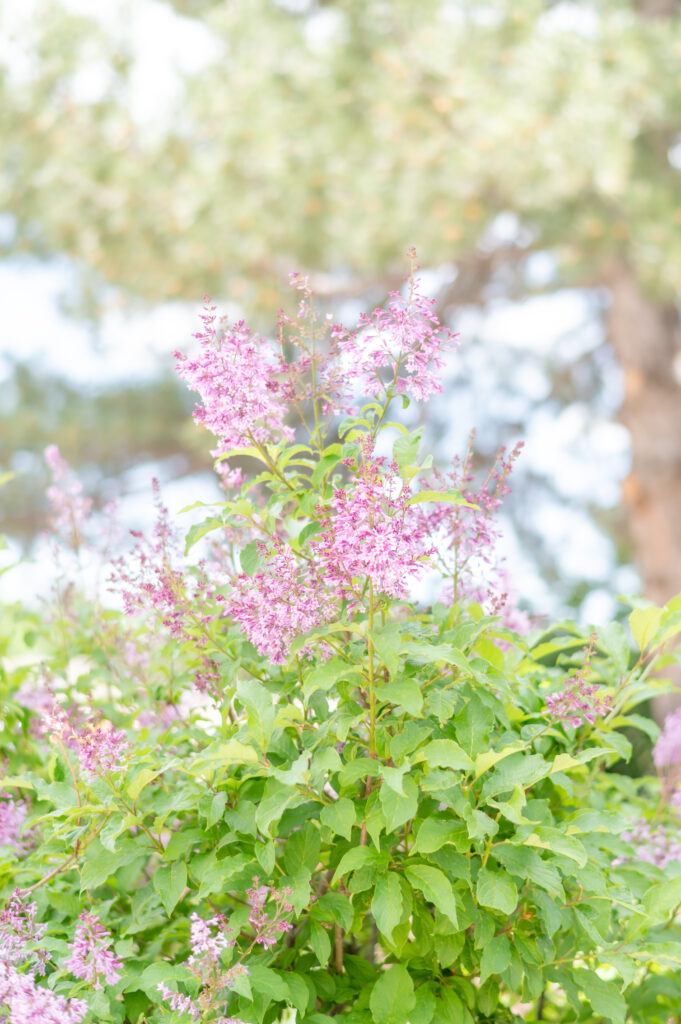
[(153, 151)]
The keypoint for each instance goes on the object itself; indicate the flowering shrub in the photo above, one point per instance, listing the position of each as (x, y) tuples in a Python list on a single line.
[(276, 787)]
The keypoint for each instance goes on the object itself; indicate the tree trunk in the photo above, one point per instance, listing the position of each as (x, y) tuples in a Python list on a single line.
[(646, 337)]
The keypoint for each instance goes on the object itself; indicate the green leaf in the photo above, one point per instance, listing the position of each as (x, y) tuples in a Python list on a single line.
[(406, 450), (260, 710), (662, 898), (644, 624), (396, 808), (141, 780), (444, 754), (436, 888), (339, 817), (249, 558), (553, 839), (267, 981), (496, 891), (452, 497), (325, 676), (489, 758), (170, 882), (404, 693), (527, 863), (435, 833), (605, 996), (496, 956), (320, 942), (199, 530), (392, 997), (386, 904), (517, 770), (354, 859), (217, 809), (302, 849)]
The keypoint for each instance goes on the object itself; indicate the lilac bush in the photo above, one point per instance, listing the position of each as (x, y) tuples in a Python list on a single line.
[(275, 786)]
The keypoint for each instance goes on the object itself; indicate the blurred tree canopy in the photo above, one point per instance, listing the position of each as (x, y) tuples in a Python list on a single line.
[(331, 135)]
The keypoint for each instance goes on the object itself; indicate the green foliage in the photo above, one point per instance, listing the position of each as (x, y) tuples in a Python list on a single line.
[(448, 850)]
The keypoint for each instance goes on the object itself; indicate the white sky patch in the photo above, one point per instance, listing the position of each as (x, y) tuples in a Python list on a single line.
[(165, 47)]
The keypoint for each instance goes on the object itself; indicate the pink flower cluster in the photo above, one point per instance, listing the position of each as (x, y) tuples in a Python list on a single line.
[(237, 376), (26, 1001), (580, 702), (667, 750), (91, 956), (370, 532), (205, 964), (268, 929), (283, 600), (655, 845), (19, 931), (149, 580), (100, 747), (69, 509), (406, 340), (12, 817), (466, 538)]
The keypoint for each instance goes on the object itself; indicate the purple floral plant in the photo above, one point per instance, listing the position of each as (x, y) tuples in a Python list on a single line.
[(91, 958), (580, 702)]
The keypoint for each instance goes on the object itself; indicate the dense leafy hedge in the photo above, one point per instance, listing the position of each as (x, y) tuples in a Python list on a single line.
[(273, 785)]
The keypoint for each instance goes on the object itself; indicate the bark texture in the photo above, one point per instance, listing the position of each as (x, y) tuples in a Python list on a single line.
[(646, 336)]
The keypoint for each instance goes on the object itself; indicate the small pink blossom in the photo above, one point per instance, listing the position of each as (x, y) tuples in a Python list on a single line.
[(12, 817), (580, 702), (69, 509), (99, 746), (285, 599), (91, 956), (19, 931), (653, 844), (269, 926), (237, 376), (29, 1003), (404, 343), (369, 531)]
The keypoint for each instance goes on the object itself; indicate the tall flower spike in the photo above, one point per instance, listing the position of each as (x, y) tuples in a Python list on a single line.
[(91, 958), (580, 702), (237, 377), (281, 602), (404, 343), (69, 509), (12, 817), (369, 531)]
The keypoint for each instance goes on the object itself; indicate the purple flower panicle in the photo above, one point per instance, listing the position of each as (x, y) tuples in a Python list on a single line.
[(91, 958)]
